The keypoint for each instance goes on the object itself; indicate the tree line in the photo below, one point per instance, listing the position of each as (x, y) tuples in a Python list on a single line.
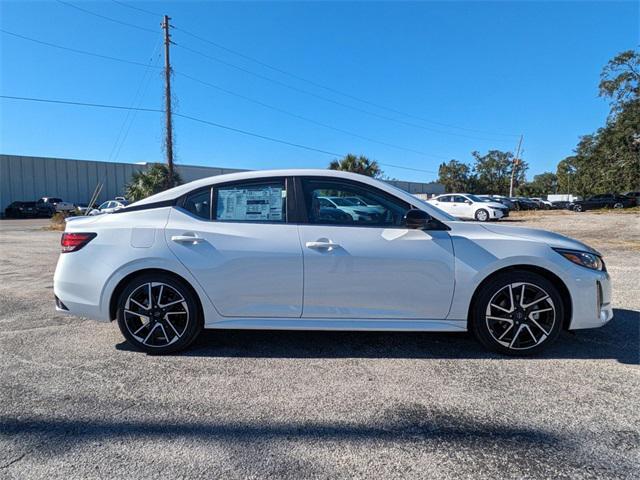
[(607, 160)]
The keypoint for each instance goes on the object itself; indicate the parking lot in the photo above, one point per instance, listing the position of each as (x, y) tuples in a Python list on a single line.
[(77, 402)]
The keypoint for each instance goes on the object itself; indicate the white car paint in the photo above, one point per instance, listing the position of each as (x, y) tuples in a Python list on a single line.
[(303, 276), (465, 206)]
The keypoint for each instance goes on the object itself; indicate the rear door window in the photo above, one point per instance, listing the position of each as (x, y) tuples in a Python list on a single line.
[(252, 202)]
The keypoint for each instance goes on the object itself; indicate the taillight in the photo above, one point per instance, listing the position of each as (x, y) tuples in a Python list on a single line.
[(72, 242)]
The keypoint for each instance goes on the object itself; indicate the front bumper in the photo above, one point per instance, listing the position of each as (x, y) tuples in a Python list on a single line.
[(592, 305)]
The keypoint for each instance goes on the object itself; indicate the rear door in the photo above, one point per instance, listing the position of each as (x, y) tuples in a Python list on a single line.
[(236, 241), (371, 266)]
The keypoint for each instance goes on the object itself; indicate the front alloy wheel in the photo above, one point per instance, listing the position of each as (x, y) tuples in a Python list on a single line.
[(518, 313), (482, 215), (158, 314)]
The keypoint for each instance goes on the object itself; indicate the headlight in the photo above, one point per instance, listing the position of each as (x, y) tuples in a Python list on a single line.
[(585, 259)]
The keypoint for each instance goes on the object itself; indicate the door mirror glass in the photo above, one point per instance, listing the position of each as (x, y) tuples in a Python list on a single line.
[(417, 219)]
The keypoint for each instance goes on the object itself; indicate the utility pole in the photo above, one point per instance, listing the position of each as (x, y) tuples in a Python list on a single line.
[(515, 164), (167, 95)]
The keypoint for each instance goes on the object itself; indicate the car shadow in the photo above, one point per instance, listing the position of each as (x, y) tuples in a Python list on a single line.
[(618, 340)]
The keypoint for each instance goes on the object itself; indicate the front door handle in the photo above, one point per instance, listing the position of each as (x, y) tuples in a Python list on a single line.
[(186, 239), (321, 245)]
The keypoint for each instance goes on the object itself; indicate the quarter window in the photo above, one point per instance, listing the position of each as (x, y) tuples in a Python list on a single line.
[(331, 202), (252, 202), (199, 204)]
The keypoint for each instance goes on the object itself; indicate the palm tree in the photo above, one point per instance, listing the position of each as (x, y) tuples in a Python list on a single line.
[(152, 180), (357, 164)]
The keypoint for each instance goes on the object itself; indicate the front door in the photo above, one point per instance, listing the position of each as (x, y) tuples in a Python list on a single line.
[(241, 249), (368, 265)]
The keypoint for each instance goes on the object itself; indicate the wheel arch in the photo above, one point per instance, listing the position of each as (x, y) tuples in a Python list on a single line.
[(115, 294), (549, 275)]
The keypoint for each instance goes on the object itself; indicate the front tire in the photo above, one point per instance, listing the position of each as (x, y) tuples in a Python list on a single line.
[(618, 205), (578, 208), (482, 215), (158, 313), (517, 313)]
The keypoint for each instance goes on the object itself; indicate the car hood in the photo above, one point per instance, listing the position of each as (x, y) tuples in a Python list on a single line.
[(543, 236), (497, 205)]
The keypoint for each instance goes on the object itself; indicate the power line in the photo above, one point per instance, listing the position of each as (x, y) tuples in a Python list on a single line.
[(137, 98), (331, 89), (229, 92), (99, 15), (326, 99), (306, 119), (75, 50), (149, 12), (194, 119), (303, 79)]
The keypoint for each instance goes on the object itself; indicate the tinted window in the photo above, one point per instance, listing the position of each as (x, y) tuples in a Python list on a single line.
[(459, 199), (199, 204), (380, 210), (252, 202), (445, 198)]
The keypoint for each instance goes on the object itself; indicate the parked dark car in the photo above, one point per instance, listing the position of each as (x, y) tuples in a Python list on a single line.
[(523, 203), (503, 200), (561, 204), (21, 210), (603, 200), (635, 196)]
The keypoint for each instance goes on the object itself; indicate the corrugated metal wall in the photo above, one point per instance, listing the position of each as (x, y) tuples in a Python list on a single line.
[(29, 178)]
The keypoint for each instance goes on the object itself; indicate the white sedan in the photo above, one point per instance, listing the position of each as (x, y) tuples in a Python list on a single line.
[(470, 207), (254, 250)]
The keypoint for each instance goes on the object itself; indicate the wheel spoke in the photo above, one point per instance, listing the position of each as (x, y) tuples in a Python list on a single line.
[(535, 301), (512, 305), (150, 332), (160, 295), (139, 304), (500, 308), (175, 302), (150, 295), (522, 295), (513, 340), (172, 327), (531, 333), (508, 329), (540, 327)]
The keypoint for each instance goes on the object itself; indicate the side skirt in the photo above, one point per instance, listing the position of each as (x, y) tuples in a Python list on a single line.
[(336, 324)]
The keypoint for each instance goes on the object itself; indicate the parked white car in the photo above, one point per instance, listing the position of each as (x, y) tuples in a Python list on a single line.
[(470, 207), (355, 209), (109, 206), (255, 250), (547, 204)]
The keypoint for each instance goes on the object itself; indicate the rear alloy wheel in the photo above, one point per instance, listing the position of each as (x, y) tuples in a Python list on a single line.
[(158, 314), (482, 215), (618, 205), (518, 313), (577, 208)]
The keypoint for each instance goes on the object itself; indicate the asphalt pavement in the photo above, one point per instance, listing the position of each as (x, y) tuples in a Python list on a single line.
[(77, 402)]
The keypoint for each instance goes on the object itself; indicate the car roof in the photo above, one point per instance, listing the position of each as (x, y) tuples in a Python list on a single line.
[(178, 191)]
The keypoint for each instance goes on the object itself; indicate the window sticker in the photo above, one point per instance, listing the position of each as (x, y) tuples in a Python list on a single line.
[(263, 203)]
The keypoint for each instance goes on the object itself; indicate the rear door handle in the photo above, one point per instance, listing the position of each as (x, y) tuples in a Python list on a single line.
[(321, 245), (186, 239)]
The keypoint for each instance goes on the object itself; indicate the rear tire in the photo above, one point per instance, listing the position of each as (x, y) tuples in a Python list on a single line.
[(158, 313), (618, 205), (578, 208), (517, 313)]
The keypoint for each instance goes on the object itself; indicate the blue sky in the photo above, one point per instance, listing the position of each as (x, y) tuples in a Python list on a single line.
[(471, 75)]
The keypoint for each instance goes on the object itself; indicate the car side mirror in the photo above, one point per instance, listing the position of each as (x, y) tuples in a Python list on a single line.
[(468, 202), (417, 219)]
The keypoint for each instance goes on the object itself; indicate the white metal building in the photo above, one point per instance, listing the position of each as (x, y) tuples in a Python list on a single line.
[(29, 178)]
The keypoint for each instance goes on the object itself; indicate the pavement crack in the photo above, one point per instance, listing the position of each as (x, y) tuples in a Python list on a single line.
[(15, 460)]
